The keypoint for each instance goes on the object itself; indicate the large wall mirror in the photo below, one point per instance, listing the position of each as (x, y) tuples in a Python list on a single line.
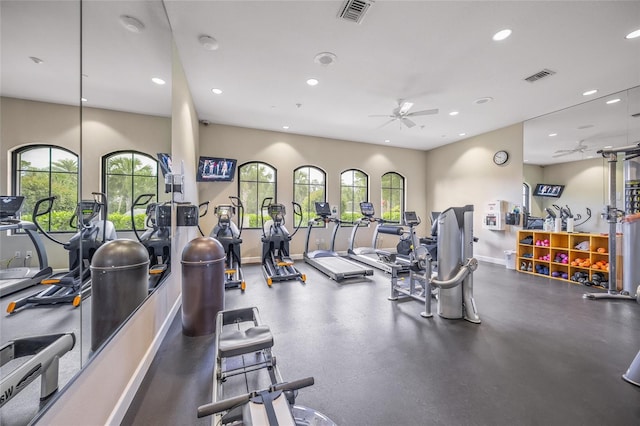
[(561, 149), (86, 105)]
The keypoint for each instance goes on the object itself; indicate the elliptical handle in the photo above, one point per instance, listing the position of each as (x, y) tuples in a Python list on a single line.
[(297, 211), (264, 204), (141, 200), (237, 203), (37, 213)]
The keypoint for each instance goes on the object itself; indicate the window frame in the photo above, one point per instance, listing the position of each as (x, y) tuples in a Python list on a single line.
[(366, 186), (308, 192), (258, 201), (16, 180), (104, 174), (391, 188)]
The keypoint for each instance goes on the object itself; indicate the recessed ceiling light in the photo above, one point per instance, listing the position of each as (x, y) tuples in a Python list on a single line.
[(83, 99), (590, 92), (208, 42), (633, 34), (36, 60), (484, 100), (462, 134), (217, 91), (553, 134), (312, 82), (454, 113), (285, 127), (325, 58), (501, 35), (613, 101), (387, 140), (132, 24), (158, 81), (608, 146)]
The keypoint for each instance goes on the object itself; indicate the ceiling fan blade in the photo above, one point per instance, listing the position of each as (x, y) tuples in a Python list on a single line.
[(381, 115), (562, 153), (424, 112), (405, 107), (387, 122), (408, 122)]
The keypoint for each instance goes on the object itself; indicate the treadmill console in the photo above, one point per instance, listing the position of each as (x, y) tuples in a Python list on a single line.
[(367, 209), (9, 206), (323, 209), (411, 219)]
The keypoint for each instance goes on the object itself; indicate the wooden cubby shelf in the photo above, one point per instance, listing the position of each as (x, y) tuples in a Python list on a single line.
[(558, 255)]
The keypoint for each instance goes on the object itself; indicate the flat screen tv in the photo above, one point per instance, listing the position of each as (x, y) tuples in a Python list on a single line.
[(548, 190), (212, 169), (164, 161)]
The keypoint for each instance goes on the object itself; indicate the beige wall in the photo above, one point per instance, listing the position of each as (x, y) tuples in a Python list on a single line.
[(285, 152), (103, 391), (464, 173), (103, 131)]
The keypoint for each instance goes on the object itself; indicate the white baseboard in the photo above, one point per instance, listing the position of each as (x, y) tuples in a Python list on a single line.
[(497, 261), (121, 407)]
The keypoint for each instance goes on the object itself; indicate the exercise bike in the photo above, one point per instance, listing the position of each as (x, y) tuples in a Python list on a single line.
[(156, 238), (277, 265), (74, 285), (228, 234)]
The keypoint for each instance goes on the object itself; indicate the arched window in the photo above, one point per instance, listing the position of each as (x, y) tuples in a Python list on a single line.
[(42, 171), (354, 189), (526, 197), (256, 181), (309, 186), (392, 197), (126, 175)]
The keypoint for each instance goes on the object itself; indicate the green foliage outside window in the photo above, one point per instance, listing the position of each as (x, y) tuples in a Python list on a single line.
[(44, 171), (256, 182), (308, 187), (127, 175), (353, 190), (392, 185)]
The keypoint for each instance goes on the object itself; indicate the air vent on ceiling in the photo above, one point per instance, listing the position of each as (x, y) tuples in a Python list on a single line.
[(354, 10), (540, 74)]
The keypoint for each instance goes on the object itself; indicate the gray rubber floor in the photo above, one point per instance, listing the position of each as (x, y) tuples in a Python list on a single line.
[(543, 355)]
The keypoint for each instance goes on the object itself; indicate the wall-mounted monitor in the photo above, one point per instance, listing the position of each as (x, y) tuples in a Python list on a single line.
[(213, 169), (548, 190), (164, 160)]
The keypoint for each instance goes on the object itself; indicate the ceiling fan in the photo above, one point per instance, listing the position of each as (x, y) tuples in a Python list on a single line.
[(580, 147), (402, 113)]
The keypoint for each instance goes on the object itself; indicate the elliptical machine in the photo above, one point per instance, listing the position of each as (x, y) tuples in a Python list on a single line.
[(277, 265), (156, 238), (74, 285), (228, 234)]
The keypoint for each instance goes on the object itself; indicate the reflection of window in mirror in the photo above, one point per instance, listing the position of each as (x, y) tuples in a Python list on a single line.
[(526, 197)]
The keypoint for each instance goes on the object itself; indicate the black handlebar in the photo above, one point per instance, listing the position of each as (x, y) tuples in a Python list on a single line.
[(227, 404)]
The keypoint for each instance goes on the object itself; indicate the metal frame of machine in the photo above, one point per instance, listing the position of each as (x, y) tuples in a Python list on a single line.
[(229, 235), (328, 261), (371, 255), (456, 265), (277, 264), (19, 278)]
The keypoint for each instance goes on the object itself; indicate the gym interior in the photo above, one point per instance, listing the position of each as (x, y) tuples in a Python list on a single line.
[(527, 313)]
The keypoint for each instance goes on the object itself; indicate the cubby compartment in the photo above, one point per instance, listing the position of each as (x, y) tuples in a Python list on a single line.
[(588, 261)]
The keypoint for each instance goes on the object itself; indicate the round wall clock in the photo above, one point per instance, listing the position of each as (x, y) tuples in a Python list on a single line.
[(500, 157)]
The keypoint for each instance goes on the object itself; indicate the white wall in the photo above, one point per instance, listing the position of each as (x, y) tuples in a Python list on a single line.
[(464, 173), (285, 152)]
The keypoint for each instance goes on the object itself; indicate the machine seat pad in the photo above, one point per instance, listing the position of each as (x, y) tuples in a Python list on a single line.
[(238, 342)]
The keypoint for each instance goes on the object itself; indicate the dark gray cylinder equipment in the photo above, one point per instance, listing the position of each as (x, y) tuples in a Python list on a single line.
[(119, 284), (633, 373), (202, 285)]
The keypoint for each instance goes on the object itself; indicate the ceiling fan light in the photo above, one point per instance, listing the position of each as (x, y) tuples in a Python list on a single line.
[(132, 24), (405, 107), (633, 34), (613, 101), (590, 92)]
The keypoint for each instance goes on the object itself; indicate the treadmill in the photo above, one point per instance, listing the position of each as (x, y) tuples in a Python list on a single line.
[(370, 255), (328, 261), (14, 279)]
